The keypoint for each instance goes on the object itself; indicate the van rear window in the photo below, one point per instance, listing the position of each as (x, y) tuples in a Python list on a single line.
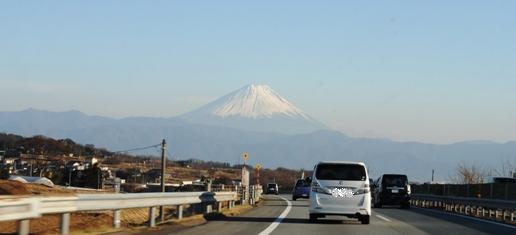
[(395, 180), (340, 172), (302, 183)]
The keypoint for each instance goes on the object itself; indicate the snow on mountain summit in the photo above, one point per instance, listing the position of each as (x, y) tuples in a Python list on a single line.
[(257, 108), (254, 101)]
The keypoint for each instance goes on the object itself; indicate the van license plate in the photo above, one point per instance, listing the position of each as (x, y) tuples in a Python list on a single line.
[(342, 193), (395, 191)]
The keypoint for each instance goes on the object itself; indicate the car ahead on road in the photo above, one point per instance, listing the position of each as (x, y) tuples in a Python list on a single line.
[(392, 189), (301, 189), (272, 188), (340, 188)]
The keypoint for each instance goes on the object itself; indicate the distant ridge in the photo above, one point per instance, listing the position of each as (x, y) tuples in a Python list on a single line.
[(269, 146)]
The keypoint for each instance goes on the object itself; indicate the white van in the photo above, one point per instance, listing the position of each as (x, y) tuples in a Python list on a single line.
[(340, 188)]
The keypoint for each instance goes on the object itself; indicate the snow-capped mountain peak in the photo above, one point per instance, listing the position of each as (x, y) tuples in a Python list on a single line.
[(255, 107), (254, 101)]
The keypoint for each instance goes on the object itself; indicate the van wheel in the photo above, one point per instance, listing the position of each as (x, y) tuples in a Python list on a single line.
[(364, 219), (313, 218), (294, 198)]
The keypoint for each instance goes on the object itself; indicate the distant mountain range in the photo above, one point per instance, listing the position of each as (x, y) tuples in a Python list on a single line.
[(257, 120)]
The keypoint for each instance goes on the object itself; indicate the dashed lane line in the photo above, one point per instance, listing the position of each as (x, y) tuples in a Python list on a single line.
[(383, 218)]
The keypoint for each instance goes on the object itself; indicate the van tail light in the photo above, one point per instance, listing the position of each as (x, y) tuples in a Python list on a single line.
[(318, 189), (362, 191)]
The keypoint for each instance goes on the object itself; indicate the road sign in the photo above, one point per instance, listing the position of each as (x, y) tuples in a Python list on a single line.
[(258, 166), (245, 156)]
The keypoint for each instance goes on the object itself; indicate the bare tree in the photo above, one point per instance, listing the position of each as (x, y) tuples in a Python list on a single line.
[(506, 169), (469, 174)]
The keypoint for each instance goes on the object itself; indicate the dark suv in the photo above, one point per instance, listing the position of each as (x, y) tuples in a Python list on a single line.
[(392, 189), (272, 188)]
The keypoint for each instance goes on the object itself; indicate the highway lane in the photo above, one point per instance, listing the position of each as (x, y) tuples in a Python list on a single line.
[(383, 221)]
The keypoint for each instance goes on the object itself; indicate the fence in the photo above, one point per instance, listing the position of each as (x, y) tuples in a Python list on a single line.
[(499, 210), (224, 188), (498, 191)]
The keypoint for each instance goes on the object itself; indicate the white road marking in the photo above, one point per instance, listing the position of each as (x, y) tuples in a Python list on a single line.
[(471, 218), (381, 217), (278, 220)]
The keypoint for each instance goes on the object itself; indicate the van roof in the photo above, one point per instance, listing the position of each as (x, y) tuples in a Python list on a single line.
[(341, 162)]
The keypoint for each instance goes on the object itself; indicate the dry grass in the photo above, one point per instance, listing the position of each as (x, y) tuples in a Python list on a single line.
[(49, 224), (12, 187)]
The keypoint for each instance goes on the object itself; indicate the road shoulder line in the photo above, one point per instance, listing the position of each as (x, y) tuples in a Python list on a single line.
[(278, 220)]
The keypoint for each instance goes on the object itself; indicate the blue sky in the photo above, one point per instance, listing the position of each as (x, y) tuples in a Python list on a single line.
[(436, 71)]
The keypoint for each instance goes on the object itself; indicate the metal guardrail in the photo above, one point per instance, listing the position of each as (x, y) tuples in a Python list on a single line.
[(24, 208), (18, 208), (499, 210)]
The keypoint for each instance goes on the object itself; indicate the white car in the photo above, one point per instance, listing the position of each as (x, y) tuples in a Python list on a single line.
[(340, 188)]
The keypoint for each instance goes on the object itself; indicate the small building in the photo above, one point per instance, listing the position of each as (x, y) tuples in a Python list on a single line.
[(34, 180)]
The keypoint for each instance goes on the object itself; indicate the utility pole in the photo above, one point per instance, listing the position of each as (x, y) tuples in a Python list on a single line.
[(163, 167), (432, 176)]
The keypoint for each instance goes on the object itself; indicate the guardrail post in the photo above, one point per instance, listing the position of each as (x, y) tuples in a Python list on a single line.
[(191, 210), (209, 208), (152, 217), (230, 204), (496, 214), (116, 218), (180, 212), (65, 224), (512, 216), (219, 206), (23, 227)]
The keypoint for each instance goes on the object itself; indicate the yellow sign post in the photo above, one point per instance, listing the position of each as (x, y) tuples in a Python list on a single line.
[(245, 156), (258, 167)]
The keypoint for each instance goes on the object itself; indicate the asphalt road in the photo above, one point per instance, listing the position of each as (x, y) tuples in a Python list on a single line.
[(264, 220)]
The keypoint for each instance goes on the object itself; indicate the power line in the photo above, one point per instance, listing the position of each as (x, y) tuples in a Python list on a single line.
[(138, 149), (169, 156)]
